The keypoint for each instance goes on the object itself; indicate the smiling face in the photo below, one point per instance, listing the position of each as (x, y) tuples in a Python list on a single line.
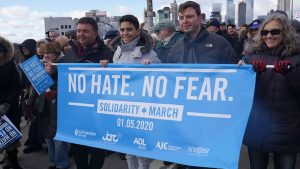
[(128, 32), (86, 35), (272, 34), (189, 21)]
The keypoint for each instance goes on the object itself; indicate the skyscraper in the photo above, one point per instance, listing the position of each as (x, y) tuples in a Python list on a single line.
[(216, 11), (249, 11), (285, 5), (217, 7), (164, 14), (230, 12), (174, 11), (242, 13), (148, 16)]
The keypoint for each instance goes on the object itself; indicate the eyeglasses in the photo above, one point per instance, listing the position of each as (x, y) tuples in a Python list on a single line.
[(272, 32)]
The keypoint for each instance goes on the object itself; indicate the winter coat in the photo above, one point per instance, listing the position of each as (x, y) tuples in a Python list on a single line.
[(135, 51), (92, 54), (162, 50), (30, 44), (205, 48), (51, 106), (10, 87), (274, 122)]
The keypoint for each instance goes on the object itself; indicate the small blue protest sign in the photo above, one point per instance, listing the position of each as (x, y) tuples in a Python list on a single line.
[(35, 72), (189, 114), (8, 132)]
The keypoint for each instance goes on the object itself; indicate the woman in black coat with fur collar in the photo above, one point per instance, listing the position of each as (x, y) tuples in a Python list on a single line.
[(9, 94)]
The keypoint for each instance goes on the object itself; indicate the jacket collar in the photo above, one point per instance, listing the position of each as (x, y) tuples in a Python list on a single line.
[(201, 35), (145, 42)]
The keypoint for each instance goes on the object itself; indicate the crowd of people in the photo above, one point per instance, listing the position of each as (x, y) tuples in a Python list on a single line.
[(274, 122)]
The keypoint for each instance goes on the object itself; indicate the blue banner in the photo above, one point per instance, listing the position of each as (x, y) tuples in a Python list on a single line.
[(8, 132), (35, 72), (191, 114)]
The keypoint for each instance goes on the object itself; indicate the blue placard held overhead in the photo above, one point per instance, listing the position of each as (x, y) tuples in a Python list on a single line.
[(35, 72), (8, 133), (189, 114)]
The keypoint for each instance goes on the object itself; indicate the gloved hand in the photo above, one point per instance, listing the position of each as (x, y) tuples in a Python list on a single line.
[(51, 95), (28, 112), (283, 66), (4, 108), (259, 66)]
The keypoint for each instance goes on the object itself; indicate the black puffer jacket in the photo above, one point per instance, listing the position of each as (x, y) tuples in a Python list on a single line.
[(92, 54), (274, 122), (205, 48)]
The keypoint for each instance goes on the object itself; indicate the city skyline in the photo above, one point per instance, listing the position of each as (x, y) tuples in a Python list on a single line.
[(24, 19)]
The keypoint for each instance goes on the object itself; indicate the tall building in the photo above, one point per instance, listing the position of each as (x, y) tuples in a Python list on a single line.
[(242, 13), (203, 16), (249, 11), (148, 17), (230, 12), (217, 7), (174, 12), (286, 6), (62, 24), (164, 13), (216, 11), (104, 22)]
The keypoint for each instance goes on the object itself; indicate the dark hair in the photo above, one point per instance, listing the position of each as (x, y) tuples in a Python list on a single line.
[(232, 25), (90, 21), (244, 25), (191, 4), (131, 19)]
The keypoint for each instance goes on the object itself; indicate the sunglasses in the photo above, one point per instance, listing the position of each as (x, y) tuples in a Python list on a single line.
[(272, 32)]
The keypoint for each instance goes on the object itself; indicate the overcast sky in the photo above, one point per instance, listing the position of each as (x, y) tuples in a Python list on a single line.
[(23, 19)]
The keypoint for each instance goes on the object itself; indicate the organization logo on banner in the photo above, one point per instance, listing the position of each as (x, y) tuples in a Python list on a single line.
[(83, 133), (109, 137), (166, 146), (140, 142), (199, 151)]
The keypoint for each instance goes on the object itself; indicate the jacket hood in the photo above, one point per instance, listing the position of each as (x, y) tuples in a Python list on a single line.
[(30, 44), (145, 41), (8, 55)]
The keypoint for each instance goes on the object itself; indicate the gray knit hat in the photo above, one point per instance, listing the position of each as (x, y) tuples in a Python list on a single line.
[(164, 24)]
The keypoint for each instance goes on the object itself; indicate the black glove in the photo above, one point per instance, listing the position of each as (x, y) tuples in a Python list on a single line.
[(283, 66), (4, 108), (259, 66)]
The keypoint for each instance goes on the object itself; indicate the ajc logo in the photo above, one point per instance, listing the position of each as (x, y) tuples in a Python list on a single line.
[(162, 145), (113, 138)]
